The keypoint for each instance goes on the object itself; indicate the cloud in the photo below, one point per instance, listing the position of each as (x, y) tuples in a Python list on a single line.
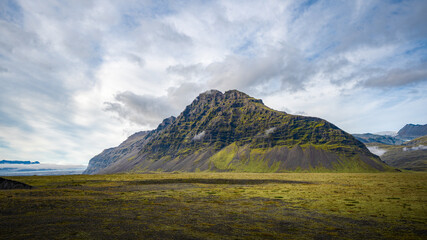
[(377, 151), (399, 77), (278, 68), (199, 136), (143, 110), (269, 131), (416, 148), (80, 76)]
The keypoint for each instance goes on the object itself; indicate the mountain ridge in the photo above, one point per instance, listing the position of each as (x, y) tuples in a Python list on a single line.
[(406, 133)]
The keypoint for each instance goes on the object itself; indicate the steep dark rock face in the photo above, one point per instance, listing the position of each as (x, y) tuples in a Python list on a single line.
[(10, 184), (411, 131), (232, 131)]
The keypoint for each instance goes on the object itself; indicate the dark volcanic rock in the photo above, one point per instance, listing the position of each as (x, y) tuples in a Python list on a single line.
[(10, 184)]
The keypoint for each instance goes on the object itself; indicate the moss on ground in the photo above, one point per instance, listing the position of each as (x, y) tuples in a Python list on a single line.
[(217, 206)]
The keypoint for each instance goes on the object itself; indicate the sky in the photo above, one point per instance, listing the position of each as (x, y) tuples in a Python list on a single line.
[(80, 76)]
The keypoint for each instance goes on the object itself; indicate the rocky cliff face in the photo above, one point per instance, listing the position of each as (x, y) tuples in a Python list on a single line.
[(232, 131)]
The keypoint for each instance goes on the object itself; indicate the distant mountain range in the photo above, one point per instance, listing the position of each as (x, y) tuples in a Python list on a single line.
[(406, 150), (408, 132), (232, 131), (374, 138), (18, 162)]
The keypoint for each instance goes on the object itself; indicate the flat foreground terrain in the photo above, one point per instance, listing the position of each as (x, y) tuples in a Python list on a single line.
[(217, 206)]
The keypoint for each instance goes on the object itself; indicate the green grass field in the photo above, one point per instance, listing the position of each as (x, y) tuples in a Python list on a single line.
[(217, 206)]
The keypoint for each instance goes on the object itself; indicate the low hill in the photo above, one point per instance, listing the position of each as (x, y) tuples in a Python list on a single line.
[(10, 184), (232, 131)]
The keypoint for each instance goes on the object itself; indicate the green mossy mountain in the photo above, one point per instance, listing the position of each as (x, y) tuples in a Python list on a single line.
[(232, 131)]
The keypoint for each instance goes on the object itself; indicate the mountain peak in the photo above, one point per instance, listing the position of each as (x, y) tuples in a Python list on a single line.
[(230, 94), (235, 94), (214, 96), (209, 94)]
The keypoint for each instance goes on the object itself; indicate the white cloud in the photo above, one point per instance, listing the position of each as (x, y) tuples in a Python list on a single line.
[(377, 151), (199, 136), (416, 148)]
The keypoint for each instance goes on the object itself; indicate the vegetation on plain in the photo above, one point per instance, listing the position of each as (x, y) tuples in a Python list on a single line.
[(217, 206)]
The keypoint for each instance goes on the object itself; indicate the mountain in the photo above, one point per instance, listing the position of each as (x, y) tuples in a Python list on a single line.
[(411, 155), (375, 138), (411, 131), (232, 131)]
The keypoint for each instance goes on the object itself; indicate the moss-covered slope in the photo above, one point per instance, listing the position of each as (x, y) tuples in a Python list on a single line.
[(235, 132)]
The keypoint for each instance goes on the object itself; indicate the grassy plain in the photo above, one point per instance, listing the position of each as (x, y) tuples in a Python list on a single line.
[(217, 206)]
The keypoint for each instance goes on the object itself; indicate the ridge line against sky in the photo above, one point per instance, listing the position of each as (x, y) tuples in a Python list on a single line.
[(80, 76)]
